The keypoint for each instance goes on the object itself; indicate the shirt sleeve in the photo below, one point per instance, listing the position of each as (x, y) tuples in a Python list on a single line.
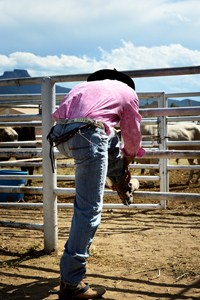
[(130, 130)]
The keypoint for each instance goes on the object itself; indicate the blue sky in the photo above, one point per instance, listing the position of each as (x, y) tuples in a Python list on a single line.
[(78, 36)]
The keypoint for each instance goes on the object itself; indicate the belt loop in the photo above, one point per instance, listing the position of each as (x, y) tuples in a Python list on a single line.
[(64, 126)]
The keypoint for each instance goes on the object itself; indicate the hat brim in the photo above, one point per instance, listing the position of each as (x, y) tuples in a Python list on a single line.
[(113, 75)]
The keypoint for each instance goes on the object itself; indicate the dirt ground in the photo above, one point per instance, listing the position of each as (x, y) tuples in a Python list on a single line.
[(136, 254)]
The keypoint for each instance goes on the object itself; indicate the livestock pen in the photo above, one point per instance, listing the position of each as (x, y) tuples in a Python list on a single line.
[(49, 190)]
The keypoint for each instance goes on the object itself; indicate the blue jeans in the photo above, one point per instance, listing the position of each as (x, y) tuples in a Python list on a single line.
[(96, 156)]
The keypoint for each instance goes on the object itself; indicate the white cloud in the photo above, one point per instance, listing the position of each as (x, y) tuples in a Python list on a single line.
[(68, 37), (6, 62), (179, 17), (79, 12), (79, 27), (126, 57), (130, 57)]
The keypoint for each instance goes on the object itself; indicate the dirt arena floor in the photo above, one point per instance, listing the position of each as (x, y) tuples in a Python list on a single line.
[(136, 254)]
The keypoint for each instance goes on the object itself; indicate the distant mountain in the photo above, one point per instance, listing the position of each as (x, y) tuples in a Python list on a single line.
[(180, 103), (24, 89), (184, 103)]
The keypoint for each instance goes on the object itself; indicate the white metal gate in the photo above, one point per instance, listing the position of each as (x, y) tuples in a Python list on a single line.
[(50, 190)]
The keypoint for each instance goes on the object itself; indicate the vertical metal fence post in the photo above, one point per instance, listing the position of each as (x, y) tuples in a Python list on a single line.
[(163, 162), (49, 178)]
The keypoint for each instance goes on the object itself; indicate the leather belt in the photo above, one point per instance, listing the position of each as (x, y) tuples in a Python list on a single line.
[(82, 120)]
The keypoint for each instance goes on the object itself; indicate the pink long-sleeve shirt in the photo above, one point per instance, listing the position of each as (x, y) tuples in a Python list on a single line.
[(110, 102)]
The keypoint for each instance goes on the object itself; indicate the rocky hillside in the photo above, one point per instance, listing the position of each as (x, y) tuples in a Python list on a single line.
[(25, 89)]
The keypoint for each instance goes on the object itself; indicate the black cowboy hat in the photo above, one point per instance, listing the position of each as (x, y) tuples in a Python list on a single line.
[(113, 75)]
